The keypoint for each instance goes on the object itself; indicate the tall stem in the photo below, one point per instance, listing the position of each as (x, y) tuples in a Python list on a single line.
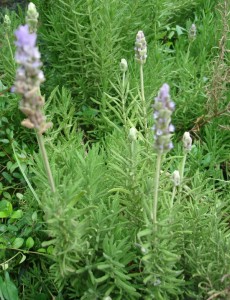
[(11, 52), (46, 161), (182, 167), (156, 188), (173, 196), (143, 100), (123, 99)]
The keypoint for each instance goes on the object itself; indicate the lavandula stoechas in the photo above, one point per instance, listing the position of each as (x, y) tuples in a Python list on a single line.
[(27, 84), (163, 108), (140, 56)]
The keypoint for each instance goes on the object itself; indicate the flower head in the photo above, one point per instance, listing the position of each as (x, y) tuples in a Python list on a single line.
[(140, 48), (25, 38), (176, 178), (192, 32), (163, 108), (123, 65), (132, 134), (7, 22), (187, 142), (28, 79), (32, 17)]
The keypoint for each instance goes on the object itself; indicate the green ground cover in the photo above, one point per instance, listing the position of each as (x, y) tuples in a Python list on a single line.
[(118, 223)]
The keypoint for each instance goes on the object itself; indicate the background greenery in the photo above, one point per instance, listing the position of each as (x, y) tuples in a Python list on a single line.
[(92, 241)]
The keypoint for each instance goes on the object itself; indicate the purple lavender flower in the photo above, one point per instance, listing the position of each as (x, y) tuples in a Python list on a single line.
[(163, 108), (28, 79)]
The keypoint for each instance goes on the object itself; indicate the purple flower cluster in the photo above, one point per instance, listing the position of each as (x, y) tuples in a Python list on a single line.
[(28, 79), (163, 108), (140, 48)]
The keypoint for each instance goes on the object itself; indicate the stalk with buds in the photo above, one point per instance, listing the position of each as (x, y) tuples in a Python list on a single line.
[(140, 56), (27, 83), (163, 108)]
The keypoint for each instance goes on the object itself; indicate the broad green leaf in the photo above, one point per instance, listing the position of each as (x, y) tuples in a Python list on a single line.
[(7, 176), (34, 216), (29, 242), (17, 214), (5, 208), (10, 291), (17, 243)]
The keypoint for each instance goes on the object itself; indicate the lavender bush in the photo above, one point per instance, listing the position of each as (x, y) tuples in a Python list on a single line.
[(138, 213)]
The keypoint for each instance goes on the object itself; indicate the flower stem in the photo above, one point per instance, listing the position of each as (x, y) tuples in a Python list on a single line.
[(182, 167), (46, 161), (10, 48), (156, 188), (143, 100), (173, 196), (123, 99)]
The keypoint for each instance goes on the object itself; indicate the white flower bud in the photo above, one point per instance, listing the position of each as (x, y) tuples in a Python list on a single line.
[(192, 32), (32, 8), (176, 178), (7, 22), (32, 17), (132, 134), (123, 65), (187, 142)]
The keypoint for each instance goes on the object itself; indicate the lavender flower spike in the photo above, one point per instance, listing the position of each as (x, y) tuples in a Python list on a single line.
[(140, 48), (28, 79), (163, 108)]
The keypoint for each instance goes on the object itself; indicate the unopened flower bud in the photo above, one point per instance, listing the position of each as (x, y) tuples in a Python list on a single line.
[(187, 142), (32, 17), (132, 134), (7, 22), (192, 32), (123, 65), (140, 48), (176, 178)]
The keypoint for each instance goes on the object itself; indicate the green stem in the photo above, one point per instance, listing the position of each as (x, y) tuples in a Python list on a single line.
[(123, 100), (11, 52), (182, 167), (46, 161), (143, 100), (173, 196), (156, 188)]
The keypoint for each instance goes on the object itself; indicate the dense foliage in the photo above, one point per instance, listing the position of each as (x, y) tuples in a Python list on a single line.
[(119, 223)]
